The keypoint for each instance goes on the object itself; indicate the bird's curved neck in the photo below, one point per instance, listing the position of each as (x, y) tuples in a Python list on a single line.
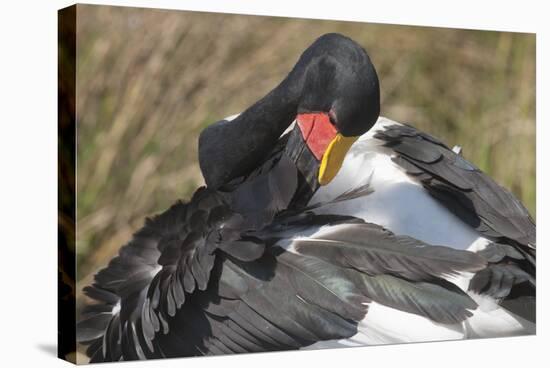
[(333, 74), (231, 149)]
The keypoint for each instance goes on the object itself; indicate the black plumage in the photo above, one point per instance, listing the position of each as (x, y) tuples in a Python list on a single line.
[(200, 275), (373, 250), (509, 278), (279, 300), (459, 185), (230, 271), (481, 203)]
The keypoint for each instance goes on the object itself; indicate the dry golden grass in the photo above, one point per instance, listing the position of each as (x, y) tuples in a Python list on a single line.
[(150, 80)]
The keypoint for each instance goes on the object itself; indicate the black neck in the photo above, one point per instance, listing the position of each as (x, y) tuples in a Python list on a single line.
[(231, 149), (333, 74)]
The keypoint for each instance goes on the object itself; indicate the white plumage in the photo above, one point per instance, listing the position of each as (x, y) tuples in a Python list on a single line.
[(404, 207)]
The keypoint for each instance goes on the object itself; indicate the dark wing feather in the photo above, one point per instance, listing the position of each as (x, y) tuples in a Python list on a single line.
[(481, 203), (397, 271), (442, 302), (154, 278), (374, 250), (282, 300), (459, 185), (142, 288), (310, 299), (201, 279), (278, 302), (266, 192), (509, 278)]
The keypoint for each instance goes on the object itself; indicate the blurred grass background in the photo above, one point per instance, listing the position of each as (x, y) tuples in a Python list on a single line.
[(148, 81)]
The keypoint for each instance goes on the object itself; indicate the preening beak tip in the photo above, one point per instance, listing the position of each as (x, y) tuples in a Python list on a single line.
[(333, 158)]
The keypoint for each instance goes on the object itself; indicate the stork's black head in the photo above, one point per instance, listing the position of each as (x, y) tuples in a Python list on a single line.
[(332, 92), (339, 80)]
